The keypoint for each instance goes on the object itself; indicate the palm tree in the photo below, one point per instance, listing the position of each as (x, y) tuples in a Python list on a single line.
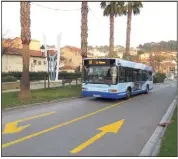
[(26, 38), (112, 9), (130, 8), (84, 29)]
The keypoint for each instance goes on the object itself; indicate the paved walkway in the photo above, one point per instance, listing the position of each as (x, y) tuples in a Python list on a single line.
[(40, 85)]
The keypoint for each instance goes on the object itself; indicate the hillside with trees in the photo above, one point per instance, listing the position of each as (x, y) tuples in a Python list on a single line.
[(105, 48), (163, 46)]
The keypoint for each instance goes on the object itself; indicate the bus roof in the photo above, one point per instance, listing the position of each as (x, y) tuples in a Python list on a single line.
[(126, 63)]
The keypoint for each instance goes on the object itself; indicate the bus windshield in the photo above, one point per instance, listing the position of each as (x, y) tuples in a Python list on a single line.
[(100, 75)]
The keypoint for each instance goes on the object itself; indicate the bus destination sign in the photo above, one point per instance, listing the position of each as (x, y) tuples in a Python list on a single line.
[(98, 62)]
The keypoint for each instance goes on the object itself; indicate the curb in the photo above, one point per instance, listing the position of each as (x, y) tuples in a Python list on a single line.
[(36, 104), (152, 146)]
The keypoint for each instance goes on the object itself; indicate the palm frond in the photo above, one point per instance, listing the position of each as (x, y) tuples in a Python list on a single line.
[(113, 8), (136, 6), (107, 10), (103, 4)]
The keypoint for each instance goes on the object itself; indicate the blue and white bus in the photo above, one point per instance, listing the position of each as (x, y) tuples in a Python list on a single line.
[(115, 78)]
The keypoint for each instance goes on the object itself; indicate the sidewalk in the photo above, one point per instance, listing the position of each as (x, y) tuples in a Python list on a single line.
[(40, 85)]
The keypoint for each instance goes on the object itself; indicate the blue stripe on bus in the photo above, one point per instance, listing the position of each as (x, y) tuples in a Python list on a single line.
[(109, 95), (104, 94)]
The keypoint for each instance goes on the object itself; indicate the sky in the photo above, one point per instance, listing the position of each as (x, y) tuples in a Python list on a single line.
[(156, 22)]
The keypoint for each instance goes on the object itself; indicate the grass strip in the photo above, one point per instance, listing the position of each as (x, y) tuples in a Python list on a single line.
[(10, 99), (169, 141)]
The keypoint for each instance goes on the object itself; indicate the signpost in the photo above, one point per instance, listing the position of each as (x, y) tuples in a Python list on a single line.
[(53, 61)]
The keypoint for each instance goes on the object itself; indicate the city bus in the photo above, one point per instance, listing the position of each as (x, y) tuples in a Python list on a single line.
[(115, 78)]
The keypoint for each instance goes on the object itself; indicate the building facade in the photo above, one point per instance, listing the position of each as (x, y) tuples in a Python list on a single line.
[(71, 57), (12, 61)]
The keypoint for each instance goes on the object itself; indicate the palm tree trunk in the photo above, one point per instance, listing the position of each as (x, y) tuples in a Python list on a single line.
[(111, 40), (25, 81), (129, 19), (84, 31), (26, 38)]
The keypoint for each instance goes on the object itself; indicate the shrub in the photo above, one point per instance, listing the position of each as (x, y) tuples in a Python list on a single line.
[(159, 78), (9, 79), (63, 75)]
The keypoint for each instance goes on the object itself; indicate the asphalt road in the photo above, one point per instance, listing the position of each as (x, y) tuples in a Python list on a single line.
[(71, 128)]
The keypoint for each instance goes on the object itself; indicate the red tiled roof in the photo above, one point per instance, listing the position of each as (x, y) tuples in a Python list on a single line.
[(15, 51), (16, 39), (51, 52)]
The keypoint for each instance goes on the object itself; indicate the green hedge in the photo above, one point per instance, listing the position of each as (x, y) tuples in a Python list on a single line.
[(159, 78), (36, 76), (9, 79), (63, 75)]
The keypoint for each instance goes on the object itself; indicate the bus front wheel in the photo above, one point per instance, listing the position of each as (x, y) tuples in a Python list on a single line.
[(147, 89), (128, 93)]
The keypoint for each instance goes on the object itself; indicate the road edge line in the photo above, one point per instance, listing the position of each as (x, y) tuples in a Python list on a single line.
[(36, 104), (152, 146)]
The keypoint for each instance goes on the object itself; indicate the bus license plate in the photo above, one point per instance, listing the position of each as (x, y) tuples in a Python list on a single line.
[(95, 95)]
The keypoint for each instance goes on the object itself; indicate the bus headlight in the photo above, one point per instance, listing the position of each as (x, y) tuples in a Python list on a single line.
[(84, 89), (113, 90)]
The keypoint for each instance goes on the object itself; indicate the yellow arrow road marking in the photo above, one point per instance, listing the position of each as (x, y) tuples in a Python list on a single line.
[(58, 126), (111, 128), (12, 126)]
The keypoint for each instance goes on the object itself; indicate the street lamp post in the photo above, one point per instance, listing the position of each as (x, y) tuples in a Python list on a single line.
[(42, 48)]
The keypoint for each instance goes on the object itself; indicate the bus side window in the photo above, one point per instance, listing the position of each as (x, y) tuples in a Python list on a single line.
[(122, 74), (145, 76), (134, 76), (140, 73), (129, 75), (126, 75)]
